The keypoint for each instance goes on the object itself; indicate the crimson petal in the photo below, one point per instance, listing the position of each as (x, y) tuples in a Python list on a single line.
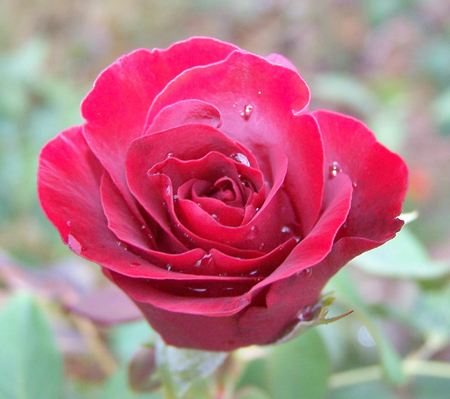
[(380, 177)]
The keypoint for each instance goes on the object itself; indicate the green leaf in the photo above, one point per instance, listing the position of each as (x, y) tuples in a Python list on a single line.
[(402, 257), (299, 369), (30, 364), (180, 369)]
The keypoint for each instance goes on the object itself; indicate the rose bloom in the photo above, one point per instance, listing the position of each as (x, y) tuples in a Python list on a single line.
[(211, 196)]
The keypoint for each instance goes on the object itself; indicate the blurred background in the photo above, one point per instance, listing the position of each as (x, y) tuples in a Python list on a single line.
[(386, 62)]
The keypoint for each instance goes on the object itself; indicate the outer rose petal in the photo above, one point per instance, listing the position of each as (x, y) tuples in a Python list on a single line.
[(69, 180), (380, 177)]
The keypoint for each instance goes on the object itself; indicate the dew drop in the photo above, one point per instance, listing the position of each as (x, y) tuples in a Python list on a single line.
[(119, 243), (247, 112), (204, 261), (261, 246), (307, 272), (285, 229), (214, 216), (175, 197), (253, 232), (197, 289), (69, 223), (354, 184), (259, 92), (170, 155), (254, 272), (143, 227), (74, 245), (169, 267), (135, 264), (334, 169), (241, 158)]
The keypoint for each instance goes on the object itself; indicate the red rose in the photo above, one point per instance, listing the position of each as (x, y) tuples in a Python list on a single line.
[(209, 194)]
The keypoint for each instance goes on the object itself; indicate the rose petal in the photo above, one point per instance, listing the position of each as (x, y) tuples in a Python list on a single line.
[(316, 246), (143, 292), (380, 177), (68, 180)]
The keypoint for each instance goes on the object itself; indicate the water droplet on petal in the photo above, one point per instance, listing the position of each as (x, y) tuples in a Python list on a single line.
[(135, 264), (334, 169), (254, 272), (354, 184), (259, 92), (143, 227), (285, 229), (170, 155), (204, 261), (241, 158), (307, 271), (74, 245), (69, 223), (168, 267), (197, 289), (214, 216), (253, 232), (247, 112)]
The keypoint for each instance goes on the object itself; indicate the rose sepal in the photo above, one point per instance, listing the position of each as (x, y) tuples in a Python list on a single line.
[(312, 316)]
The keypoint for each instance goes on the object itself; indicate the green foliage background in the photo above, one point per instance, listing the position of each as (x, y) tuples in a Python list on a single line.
[(386, 62)]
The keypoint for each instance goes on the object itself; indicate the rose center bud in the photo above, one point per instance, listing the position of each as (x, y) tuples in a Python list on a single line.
[(223, 190)]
